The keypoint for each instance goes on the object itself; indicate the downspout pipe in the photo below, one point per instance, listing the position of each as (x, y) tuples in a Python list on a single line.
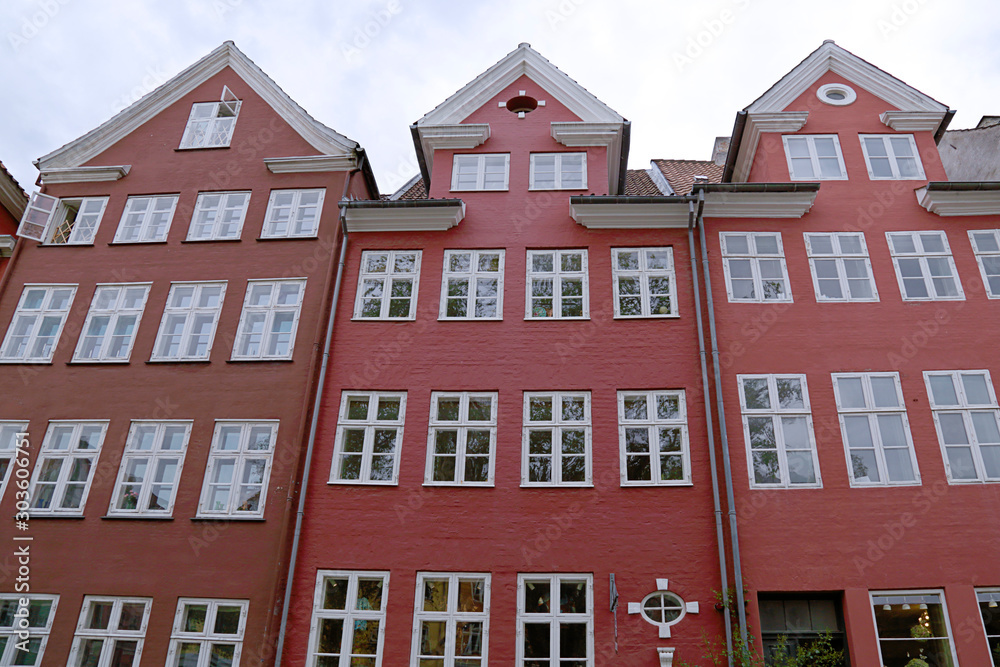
[(720, 535)]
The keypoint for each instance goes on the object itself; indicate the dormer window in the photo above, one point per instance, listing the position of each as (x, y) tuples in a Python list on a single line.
[(211, 124), (814, 157), (558, 171), (892, 157), (480, 172)]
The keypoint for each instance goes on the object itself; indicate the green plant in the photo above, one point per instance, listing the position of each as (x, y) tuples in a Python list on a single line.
[(818, 653)]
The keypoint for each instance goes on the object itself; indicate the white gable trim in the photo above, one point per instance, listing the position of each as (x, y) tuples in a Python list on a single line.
[(84, 174), (913, 121), (757, 124), (11, 196), (310, 163)]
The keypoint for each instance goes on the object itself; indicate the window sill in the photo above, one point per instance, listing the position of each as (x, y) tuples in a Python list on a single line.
[(163, 242), (288, 238), (469, 319), (855, 485), (383, 319), (759, 301), (178, 361), (460, 485), (354, 482), (182, 149), (29, 362), (796, 487), (653, 485), (647, 317), (138, 517), (940, 298), (575, 485), (258, 361), (482, 190), (550, 319), (32, 516), (580, 189), (236, 240), (97, 362), (66, 245), (251, 519)]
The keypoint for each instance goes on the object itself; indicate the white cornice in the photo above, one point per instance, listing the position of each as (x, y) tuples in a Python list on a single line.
[(455, 137), (948, 203), (913, 121), (294, 165), (587, 134), (404, 219), (758, 123), (12, 196), (631, 216), (84, 174), (6, 245), (758, 204)]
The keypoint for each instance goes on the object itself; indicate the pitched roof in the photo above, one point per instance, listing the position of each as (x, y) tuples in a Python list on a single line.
[(12, 195), (412, 189), (638, 183), (680, 173)]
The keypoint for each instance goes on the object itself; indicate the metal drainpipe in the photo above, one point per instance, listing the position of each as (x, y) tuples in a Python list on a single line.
[(706, 392), (720, 406)]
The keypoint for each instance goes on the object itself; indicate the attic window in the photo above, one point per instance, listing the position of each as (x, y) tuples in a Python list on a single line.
[(211, 124), (522, 103), (837, 94)]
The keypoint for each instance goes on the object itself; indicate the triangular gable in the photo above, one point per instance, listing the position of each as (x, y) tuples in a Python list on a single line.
[(92, 144), (12, 195)]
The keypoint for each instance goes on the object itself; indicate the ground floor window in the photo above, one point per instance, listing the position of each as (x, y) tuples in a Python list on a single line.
[(989, 606), (913, 626), (797, 622)]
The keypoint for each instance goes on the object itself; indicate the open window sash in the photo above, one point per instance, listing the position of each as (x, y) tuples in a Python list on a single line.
[(38, 216)]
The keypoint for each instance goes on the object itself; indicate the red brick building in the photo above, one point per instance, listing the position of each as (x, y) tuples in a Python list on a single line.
[(12, 202)]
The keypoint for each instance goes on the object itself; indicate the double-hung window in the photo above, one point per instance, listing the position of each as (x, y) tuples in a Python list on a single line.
[(369, 435), (218, 216), (270, 319), (207, 633), (71, 221), (986, 244), (777, 425), (211, 124), (557, 285), (387, 287), (966, 417), (558, 171), (653, 438), (238, 470), (924, 266), (451, 618), (462, 438), (9, 432), (556, 439), (146, 219), (912, 628), (482, 171), (875, 428), (891, 157), (150, 468), (472, 285), (24, 629), (65, 467), (189, 320), (754, 265), (814, 157), (110, 632), (348, 619), (34, 330), (840, 267), (293, 213), (112, 322), (644, 282), (989, 603), (555, 620)]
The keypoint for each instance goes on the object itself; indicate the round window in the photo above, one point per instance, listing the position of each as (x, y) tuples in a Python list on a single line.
[(662, 608), (836, 94)]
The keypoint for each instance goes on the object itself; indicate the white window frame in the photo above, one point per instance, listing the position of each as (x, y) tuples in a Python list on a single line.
[(40, 315), (984, 255), (480, 159), (556, 426), (112, 635), (243, 456), (154, 457), (451, 617), (9, 431), (45, 219), (190, 313), (810, 142), (652, 424), (220, 114), (915, 599), (559, 173), (839, 257), (472, 278), (556, 276), (388, 279), (351, 616), (207, 638), (892, 157), (555, 617), (756, 275), (145, 231), (987, 596), (965, 409), (35, 632), (271, 311), (296, 214), (210, 219), (922, 257), (369, 425), (775, 413), (114, 313), (68, 457), (644, 275), (461, 426), (872, 412)]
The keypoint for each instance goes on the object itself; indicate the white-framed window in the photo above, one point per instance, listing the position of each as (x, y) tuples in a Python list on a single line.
[(891, 157), (34, 330), (653, 438), (814, 157), (211, 124), (369, 435), (472, 285), (238, 470), (558, 171), (482, 171), (555, 620), (924, 266), (35, 619), (556, 441), (270, 319), (65, 467), (557, 285), (841, 270), (986, 245), (9, 431), (989, 609), (150, 468), (189, 320), (218, 216), (146, 219), (875, 428), (777, 425), (293, 213), (112, 322), (754, 265), (348, 619), (68, 221), (966, 414), (387, 286), (645, 285), (913, 625), (451, 620), (208, 633), (110, 632), (461, 438)]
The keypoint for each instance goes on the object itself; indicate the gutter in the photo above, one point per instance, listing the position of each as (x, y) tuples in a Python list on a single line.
[(366, 171), (421, 158), (755, 187), (945, 122), (401, 203), (963, 186), (629, 199), (623, 162), (734, 145)]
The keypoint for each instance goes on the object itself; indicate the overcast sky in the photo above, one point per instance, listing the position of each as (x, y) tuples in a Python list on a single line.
[(678, 70)]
